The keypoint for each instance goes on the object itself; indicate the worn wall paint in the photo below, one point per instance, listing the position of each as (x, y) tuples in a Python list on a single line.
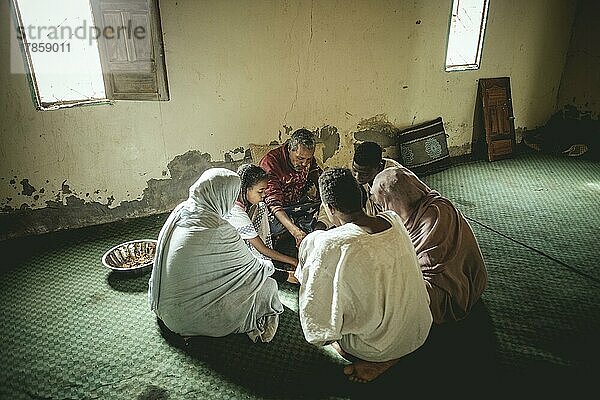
[(379, 130), (251, 72), (580, 85), (69, 210)]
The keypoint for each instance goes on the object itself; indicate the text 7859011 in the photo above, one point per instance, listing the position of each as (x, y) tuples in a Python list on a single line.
[(49, 47)]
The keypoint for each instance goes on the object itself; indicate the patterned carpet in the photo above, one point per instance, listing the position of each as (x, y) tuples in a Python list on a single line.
[(71, 329)]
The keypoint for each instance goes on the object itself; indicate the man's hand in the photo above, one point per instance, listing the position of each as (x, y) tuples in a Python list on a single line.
[(299, 235), (294, 230)]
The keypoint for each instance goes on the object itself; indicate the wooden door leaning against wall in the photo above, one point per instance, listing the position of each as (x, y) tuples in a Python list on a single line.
[(493, 124)]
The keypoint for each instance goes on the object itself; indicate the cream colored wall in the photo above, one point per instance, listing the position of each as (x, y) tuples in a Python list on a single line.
[(580, 85), (239, 71)]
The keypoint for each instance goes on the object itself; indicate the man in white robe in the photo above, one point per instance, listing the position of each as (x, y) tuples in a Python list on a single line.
[(361, 285)]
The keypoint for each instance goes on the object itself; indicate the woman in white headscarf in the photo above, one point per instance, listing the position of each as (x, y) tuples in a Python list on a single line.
[(205, 281)]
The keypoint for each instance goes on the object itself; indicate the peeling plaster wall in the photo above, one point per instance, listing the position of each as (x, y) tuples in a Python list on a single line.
[(580, 85), (243, 72)]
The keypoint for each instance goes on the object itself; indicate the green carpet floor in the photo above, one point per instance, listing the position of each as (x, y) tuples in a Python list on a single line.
[(71, 329)]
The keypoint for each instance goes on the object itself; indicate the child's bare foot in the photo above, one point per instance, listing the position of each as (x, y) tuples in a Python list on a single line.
[(291, 278), (365, 371), (341, 352)]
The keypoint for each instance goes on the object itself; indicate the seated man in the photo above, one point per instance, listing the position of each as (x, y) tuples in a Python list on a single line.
[(366, 164), (361, 287), (292, 171), (446, 247)]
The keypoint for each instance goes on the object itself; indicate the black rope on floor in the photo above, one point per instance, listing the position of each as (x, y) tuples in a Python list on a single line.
[(573, 269)]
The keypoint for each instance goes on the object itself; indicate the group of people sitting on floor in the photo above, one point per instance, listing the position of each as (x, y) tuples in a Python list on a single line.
[(379, 255)]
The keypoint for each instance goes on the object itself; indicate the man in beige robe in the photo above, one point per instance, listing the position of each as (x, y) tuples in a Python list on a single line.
[(448, 252)]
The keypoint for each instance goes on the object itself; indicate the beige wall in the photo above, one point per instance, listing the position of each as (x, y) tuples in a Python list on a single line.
[(580, 85), (245, 72)]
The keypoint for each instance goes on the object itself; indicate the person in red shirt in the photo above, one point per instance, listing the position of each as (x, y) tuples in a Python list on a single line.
[(292, 172)]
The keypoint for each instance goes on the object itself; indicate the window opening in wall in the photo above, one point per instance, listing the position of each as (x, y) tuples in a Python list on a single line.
[(80, 52), (64, 64), (465, 36)]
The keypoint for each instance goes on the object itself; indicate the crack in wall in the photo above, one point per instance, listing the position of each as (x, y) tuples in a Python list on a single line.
[(298, 67)]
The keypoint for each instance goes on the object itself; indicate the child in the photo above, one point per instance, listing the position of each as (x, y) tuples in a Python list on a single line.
[(249, 216)]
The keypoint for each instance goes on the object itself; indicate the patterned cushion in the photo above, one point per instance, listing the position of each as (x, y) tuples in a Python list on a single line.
[(423, 148)]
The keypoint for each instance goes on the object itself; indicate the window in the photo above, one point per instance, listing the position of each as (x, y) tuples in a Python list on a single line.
[(83, 52), (465, 37)]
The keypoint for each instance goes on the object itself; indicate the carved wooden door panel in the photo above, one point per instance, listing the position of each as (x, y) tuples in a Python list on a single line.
[(498, 120)]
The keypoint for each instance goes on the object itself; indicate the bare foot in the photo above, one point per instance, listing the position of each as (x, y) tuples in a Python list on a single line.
[(341, 352), (365, 371), (291, 278)]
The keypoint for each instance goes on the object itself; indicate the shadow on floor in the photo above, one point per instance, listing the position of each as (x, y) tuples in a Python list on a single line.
[(129, 281), (457, 358), (289, 367)]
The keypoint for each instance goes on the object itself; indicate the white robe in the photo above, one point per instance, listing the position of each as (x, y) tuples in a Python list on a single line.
[(364, 291), (205, 280), (251, 227)]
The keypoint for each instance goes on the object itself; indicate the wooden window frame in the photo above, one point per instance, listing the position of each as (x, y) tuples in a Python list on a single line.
[(160, 69), (482, 27), (32, 78)]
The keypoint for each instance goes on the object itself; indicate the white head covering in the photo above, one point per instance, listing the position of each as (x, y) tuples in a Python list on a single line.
[(211, 197)]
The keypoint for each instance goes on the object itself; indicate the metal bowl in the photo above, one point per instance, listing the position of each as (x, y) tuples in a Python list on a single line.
[(135, 255)]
